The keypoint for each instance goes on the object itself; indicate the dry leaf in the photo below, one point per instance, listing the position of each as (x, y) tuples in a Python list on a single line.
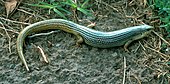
[(10, 5)]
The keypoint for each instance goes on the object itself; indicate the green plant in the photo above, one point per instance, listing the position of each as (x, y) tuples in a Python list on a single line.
[(80, 7), (163, 10), (58, 7)]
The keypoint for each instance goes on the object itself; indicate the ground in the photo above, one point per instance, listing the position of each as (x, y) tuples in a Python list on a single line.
[(70, 64)]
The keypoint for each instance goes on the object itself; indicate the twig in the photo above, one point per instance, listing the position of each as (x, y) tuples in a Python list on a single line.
[(128, 76), (137, 48), (135, 9), (14, 21), (9, 39), (161, 54), (130, 3), (43, 54), (22, 10), (161, 38), (137, 79), (10, 30), (43, 34), (108, 5), (124, 74), (148, 44), (91, 25), (123, 15), (142, 45)]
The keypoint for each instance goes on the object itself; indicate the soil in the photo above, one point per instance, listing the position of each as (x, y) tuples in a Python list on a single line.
[(69, 64)]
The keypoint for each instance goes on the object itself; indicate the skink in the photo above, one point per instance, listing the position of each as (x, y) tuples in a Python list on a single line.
[(89, 36)]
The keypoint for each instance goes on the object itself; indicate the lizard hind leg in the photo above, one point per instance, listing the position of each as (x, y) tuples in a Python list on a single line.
[(135, 38), (127, 44), (79, 39), (131, 40)]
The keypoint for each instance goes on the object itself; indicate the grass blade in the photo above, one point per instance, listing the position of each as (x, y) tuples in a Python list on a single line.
[(42, 6), (86, 12), (62, 9), (59, 13)]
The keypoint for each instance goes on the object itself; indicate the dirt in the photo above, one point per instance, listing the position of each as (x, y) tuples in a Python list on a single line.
[(70, 64)]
